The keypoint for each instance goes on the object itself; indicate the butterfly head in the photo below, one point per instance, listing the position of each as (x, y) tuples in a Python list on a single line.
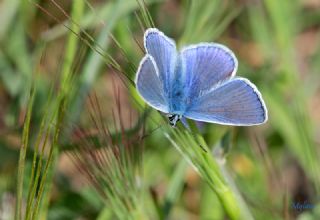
[(173, 119)]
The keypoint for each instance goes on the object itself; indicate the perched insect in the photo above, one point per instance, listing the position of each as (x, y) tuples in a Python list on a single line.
[(197, 83)]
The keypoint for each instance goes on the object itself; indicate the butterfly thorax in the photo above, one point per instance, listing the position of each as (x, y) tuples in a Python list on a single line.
[(177, 93)]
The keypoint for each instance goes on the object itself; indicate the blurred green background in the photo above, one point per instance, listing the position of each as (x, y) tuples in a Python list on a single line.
[(76, 48)]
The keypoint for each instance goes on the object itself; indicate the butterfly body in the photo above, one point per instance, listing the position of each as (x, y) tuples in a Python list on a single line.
[(197, 82), (173, 119), (176, 92)]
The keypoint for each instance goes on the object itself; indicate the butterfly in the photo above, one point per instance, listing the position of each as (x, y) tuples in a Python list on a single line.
[(198, 82)]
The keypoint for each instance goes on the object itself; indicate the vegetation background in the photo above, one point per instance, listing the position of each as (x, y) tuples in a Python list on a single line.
[(76, 142)]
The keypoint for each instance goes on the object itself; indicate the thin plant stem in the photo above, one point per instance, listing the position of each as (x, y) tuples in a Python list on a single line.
[(193, 147), (22, 157)]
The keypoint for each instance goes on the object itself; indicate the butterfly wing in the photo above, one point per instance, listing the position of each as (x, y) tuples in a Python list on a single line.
[(233, 102), (163, 51), (149, 85), (205, 65)]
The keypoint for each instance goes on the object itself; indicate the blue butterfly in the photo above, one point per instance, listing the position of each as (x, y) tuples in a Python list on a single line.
[(197, 82)]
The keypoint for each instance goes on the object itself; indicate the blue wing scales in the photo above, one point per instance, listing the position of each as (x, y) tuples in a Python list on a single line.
[(205, 65), (149, 85), (163, 51), (234, 102)]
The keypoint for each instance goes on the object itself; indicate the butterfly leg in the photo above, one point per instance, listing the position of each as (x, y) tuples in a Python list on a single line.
[(173, 119)]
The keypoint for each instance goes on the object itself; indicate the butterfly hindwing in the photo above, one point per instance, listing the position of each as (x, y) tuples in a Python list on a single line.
[(234, 102), (149, 85)]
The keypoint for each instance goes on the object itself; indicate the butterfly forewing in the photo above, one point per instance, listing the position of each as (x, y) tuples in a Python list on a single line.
[(163, 51), (205, 65)]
